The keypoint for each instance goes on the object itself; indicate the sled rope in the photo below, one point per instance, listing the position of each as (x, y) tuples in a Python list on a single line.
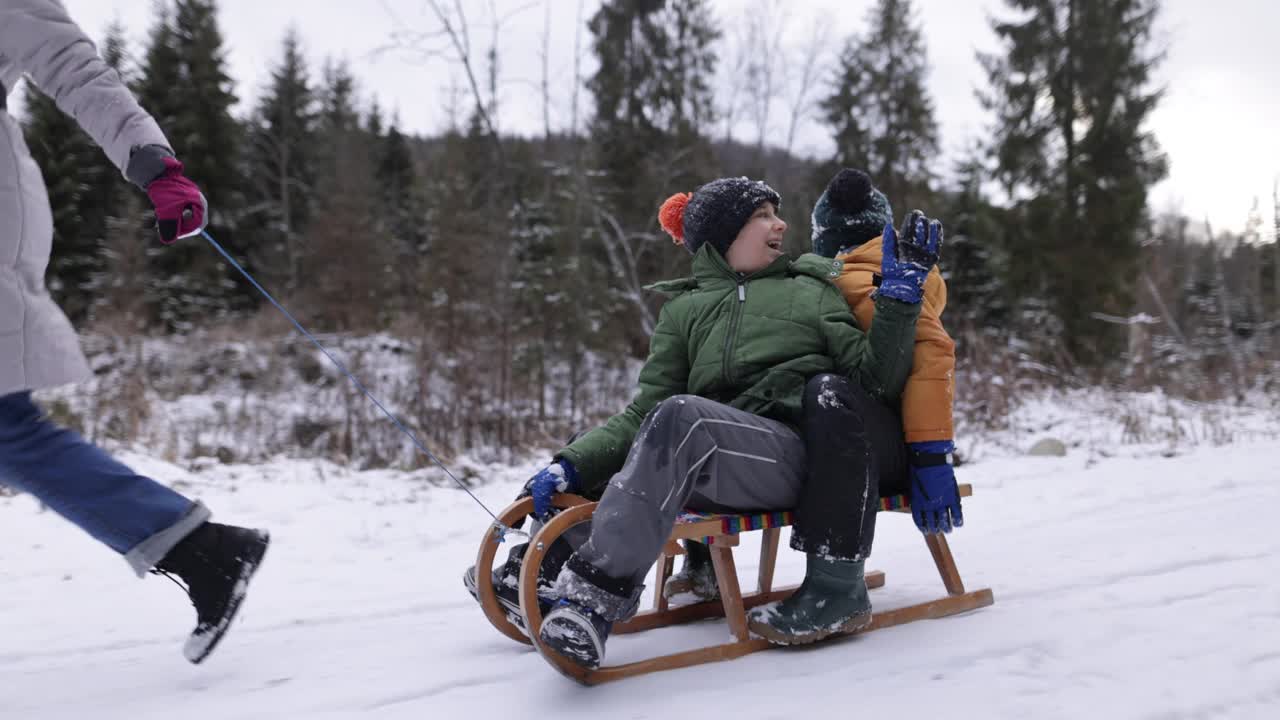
[(502, 529)]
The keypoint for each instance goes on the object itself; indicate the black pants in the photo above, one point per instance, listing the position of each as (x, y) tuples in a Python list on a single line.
[(855, 452)]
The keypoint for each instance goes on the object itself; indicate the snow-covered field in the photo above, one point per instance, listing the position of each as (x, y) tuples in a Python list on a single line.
[(1136, 577)]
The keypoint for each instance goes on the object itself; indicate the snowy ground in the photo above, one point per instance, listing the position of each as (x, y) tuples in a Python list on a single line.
[(1127, 585)]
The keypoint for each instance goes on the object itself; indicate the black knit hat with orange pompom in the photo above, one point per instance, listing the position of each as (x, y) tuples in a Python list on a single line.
[(715, 212)]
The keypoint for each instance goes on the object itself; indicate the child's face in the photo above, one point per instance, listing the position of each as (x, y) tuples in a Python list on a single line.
[(759, 242)]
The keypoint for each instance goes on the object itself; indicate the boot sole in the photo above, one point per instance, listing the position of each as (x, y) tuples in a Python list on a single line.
[(680, 585), (573, 638), (776, 637), (197, 654), (677, 593)]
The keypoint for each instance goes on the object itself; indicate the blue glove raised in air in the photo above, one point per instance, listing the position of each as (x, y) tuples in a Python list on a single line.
[(907, 258), (557, 477), (935, 499)]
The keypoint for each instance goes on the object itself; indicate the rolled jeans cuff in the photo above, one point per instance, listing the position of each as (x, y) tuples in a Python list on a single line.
[(148, 553)]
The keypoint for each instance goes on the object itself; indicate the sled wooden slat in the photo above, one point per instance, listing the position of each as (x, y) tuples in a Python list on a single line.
[(665, 565), (730, 593), (768, 559), (711, 528), (946, 564), (934, 609)]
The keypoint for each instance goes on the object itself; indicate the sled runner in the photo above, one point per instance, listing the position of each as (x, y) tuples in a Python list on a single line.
[(721, 533)]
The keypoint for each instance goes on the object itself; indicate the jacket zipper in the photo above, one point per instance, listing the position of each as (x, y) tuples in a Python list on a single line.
[(732, 336)]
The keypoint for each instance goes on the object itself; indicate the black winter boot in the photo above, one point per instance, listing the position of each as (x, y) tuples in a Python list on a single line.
[(506, 579), (832, 599), (216, 562), (697, 576), (576, 632)]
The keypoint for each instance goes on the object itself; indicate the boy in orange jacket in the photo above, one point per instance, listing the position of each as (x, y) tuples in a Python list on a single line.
[(848, 220)]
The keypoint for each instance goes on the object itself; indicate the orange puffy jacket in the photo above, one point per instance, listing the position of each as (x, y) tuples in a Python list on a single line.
[(927, 399)]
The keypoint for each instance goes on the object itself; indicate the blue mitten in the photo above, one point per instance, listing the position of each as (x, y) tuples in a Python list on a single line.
[(907, 259), (557, 477), (935, 499)]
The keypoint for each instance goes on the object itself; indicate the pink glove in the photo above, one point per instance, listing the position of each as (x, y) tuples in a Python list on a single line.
[(181, 210)]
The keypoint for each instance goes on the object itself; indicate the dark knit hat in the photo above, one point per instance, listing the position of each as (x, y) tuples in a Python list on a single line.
[(850, 212), (715, 212)]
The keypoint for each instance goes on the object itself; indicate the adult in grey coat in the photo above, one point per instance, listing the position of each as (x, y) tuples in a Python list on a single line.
[(153, 527)]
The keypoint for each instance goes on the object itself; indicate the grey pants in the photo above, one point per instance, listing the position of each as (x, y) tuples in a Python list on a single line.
[(690, 452)]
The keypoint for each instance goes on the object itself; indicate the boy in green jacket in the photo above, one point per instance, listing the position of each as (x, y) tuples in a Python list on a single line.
[(740, 353)]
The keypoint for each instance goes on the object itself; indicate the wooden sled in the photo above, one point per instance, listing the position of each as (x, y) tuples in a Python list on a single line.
[(720, 532)]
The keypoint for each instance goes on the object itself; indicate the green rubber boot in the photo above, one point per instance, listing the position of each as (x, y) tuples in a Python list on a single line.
[(833, 599), (697, 576)]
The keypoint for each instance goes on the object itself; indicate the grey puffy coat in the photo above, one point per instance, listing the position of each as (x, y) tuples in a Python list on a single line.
[(38, 347)]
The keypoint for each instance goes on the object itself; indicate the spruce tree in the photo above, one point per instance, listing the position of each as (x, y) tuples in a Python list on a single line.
[(1071, 93), (343, 276), (207, 132), (879, 110), (653, 99), (83, 187), (185, 85), (1274, 261), (653, 114), (1207, 321), (337, 98), (281, 159), (971, 261), (121, 225), (400, 209), (61, 150), (159, 84), (373, 122), (107, 187)]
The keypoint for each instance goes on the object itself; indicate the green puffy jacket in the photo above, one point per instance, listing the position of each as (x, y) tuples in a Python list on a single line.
[(752, 343)]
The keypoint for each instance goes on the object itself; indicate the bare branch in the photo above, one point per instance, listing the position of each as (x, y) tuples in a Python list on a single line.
[(819, 34), (1139, 319), (462, 46), (500, 21), (624, 267), (577, 78), (1224, 304), (405, 39), (546, 69), (1164, 309), (765, 30), (462, 20), (737, 79), (493, 67)]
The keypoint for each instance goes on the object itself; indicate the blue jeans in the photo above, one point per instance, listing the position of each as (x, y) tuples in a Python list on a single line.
[(131, 514)]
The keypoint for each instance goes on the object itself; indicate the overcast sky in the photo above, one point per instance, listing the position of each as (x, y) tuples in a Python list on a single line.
[(1217, 123)]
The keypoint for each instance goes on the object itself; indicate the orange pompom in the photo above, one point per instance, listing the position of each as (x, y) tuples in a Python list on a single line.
[(671, 216)]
